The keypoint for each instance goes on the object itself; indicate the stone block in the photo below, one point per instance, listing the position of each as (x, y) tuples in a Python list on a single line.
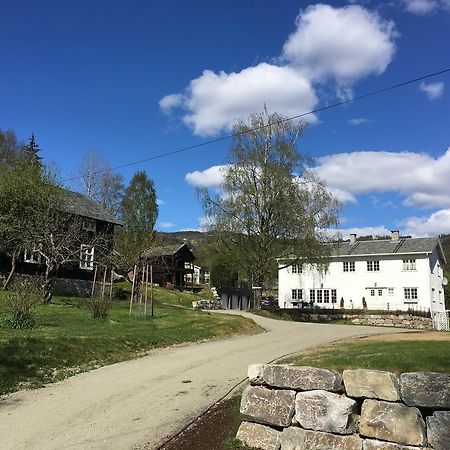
[(372, 444), (438, 430), (326, 411), (393, 422), (302, 378), (270, 407), (259, 436), (294, 438), (426, 389), (255, 373), (371, 384)]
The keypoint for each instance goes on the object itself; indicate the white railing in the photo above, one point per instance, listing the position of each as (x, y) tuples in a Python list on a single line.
[(441, 320)]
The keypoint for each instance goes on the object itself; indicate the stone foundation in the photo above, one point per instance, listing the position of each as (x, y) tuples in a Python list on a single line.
[(305, 408)]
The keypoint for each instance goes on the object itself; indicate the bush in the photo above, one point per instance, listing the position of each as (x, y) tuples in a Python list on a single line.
[(99, 307), (22, 301)]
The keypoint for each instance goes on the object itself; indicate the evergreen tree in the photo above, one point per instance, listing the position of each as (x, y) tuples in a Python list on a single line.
[(31, 151)]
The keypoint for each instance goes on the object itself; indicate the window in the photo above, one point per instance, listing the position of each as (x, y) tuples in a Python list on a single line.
[(373, 266), (409, 265), (89, 224), (349, 266), (380, 292), (32, 257), (372, 292), (296, 268), (391, 291), (433, 295), (86, 257), (319, 296), (326, 296), (297, 294), (440, 297), (312, 295), (333, 296), (410, 293)]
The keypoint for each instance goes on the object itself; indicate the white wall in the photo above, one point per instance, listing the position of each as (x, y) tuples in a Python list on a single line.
[(353, 286)]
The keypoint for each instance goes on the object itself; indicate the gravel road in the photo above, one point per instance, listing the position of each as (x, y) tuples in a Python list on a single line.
[(137, 404)]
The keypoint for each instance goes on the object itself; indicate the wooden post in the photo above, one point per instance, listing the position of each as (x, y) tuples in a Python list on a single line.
[(111, 285), (132, 289), (93, 283), (151, 287), (140, 288), (146, 290), (104, 283)]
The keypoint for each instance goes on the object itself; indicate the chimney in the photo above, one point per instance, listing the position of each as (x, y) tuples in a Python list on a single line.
[(395, 235), (353, 238)]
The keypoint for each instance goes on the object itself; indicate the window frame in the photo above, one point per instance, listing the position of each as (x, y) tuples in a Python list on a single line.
[(87, 257), (373, 265), (297, 294), (296, 268), (89, 224), (411, 294), (29, 257), (348, 266), (409, 265)]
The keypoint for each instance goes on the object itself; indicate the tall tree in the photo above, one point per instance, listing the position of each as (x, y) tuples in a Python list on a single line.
[(9, 146), (31, 151), (139, 212), (270, 206), (100, 183)]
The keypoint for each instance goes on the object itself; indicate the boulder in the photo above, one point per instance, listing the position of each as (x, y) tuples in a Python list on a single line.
[(302, 378), (438, 430), (259, 436), (393, 422), (426, 389), (255, 373), (294, 438), (372, 444), (371, 384), (325, 411), (267, 406)]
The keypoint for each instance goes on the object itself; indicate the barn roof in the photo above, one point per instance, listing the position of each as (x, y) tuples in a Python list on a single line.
[(164, 250), (81, 205)]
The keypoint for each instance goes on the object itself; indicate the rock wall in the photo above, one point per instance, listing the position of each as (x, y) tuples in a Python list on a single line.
[(207, 304), (306, 408), (399, 320)]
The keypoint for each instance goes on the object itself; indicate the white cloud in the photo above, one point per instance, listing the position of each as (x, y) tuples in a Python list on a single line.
[(421, 7), (359, 121), (433, 90), (160, 202), (342, 196), (345, 44), (422, 178), (378, 230), (341, 44), (433, 225), (209, 178), (166, 224)]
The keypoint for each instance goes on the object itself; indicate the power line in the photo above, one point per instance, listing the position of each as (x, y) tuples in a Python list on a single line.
[(298, 116)]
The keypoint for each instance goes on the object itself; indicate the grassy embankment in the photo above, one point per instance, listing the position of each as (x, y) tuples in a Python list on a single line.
[(67, 340)]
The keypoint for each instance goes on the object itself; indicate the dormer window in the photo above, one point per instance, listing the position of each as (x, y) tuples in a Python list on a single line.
[(89, 224)]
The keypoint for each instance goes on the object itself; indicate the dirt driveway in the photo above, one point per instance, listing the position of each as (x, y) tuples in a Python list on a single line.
[(138, 403)]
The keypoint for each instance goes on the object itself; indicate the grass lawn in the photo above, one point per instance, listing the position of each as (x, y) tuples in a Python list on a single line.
[(396, 353), (68, 341)]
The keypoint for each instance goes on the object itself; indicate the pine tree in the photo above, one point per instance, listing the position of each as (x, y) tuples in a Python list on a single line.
[(31, 151)]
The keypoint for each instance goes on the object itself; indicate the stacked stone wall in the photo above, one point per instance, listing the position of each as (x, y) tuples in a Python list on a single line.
[(207, 304), (306, 408)]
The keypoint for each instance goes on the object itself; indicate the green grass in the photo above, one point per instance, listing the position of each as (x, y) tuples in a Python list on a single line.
[(67, 340), (396, 356)]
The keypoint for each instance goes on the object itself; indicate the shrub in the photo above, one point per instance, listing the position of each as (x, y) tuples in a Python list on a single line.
[(22, 301), (99, 307)]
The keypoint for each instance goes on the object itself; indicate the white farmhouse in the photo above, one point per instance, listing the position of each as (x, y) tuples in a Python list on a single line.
[(390, 274)]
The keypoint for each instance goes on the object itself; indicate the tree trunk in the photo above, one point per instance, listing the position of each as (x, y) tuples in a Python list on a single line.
[(47, 288), (12, 271)]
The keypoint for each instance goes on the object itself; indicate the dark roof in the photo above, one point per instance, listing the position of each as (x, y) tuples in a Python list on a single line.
[(388, 246), (164, 250), (81, 205)]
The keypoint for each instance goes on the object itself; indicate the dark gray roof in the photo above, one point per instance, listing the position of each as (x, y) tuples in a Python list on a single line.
[(164, 250), (81, 205), (387, 246)]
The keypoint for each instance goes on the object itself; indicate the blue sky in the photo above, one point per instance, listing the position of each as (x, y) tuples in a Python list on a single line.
[(135, 79)]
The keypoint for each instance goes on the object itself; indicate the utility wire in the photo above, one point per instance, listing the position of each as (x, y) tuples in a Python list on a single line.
[(298, 116)]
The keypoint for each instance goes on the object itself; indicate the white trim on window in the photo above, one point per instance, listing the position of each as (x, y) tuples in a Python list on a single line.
[(32, 256), (89, 224), (409, 265), (86, 257)]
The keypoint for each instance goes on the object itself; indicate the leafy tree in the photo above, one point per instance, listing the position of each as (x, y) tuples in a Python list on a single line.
[(139, 211), (270, 205), (9, 146)]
